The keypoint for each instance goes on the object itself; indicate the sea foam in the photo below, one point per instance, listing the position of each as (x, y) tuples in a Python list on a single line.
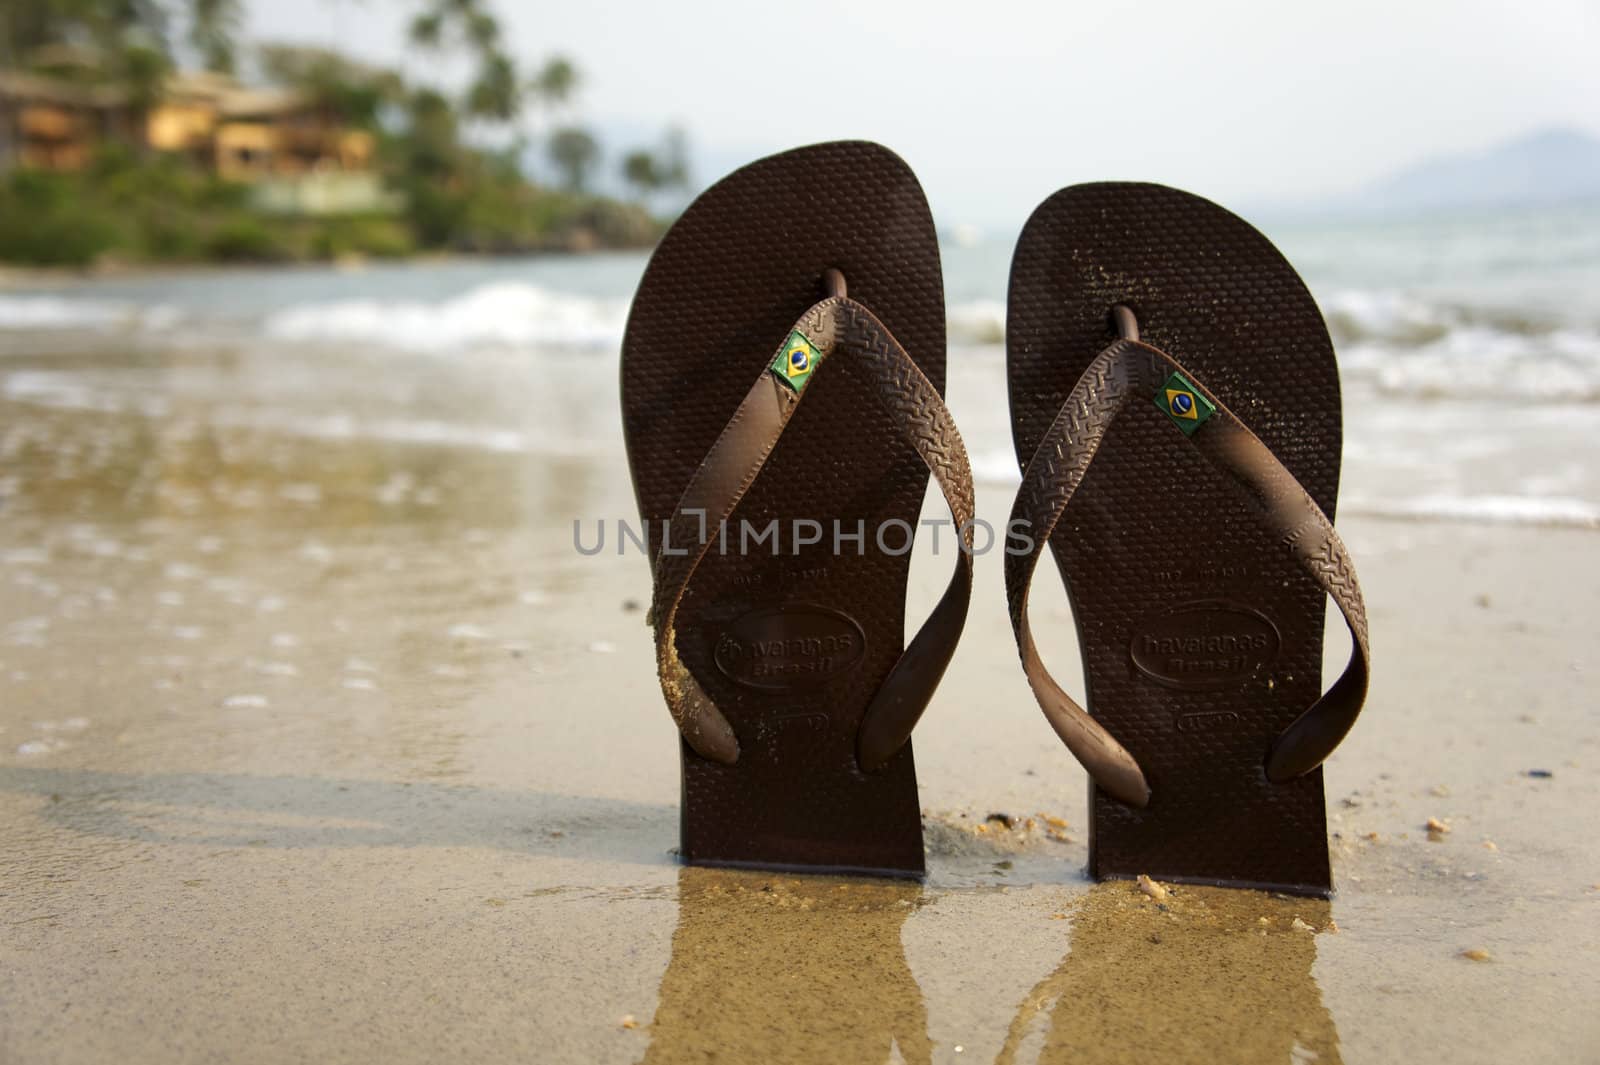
[(503, 314), (47, 312)]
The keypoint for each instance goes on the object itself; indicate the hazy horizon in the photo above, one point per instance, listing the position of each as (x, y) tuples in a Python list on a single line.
[(995, 110)]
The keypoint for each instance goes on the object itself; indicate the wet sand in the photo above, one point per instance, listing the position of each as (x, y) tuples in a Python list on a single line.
[(335, 749)]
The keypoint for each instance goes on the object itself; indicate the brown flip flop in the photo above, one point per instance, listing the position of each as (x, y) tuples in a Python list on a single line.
[(781, 392), (1175, 410)]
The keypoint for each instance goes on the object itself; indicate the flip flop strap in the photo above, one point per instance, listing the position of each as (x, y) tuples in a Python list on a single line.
[(1129, 372), (837, 327)]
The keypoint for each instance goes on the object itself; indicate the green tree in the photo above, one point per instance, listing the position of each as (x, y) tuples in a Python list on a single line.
[(494, 92), (574, 152), (674, 159), (431, 142), (121, 41), (356, 92), (650, 171), (641, 172), (555, 83), (213, 27)]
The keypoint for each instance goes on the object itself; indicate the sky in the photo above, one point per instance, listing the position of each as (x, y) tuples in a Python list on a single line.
[(997, 103)]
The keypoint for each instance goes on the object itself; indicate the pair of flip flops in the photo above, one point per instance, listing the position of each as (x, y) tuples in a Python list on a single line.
[(1176, 417)]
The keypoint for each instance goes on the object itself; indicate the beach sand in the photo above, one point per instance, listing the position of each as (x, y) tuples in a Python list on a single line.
[(336, 750)]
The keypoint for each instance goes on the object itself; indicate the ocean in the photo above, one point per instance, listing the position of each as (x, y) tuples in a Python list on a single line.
[(1469, 348)]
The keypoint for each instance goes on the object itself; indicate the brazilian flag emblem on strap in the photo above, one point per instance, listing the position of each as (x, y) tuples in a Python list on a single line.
[(796, 360), (1183, 403)]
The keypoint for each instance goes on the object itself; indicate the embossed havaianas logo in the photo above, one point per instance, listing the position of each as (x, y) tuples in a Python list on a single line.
[(796, 361), (1184, 404), (788, 647)]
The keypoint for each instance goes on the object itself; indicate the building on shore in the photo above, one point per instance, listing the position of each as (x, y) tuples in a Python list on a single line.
[(294, 153)]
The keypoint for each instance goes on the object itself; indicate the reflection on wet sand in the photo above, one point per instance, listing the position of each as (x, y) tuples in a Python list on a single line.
[(789, 969), (1207, 974)]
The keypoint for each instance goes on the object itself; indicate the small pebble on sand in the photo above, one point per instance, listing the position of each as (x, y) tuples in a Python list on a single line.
[(1476, 954), (629, 1021), (1489, 845), (1300, 926), (1540, 774), (1151, 888), (1437, 830)]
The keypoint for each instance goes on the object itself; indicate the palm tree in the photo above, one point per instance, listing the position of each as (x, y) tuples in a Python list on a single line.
[(574, 152), (674, 163), (494, 93), (648, 171), (555, 83), (355, 92), (641, 171), (212, 27)]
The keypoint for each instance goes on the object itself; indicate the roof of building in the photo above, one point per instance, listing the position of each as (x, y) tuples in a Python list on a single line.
[(221, 91)]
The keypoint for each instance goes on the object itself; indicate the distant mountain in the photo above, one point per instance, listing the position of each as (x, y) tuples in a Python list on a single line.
[(1547, 167)]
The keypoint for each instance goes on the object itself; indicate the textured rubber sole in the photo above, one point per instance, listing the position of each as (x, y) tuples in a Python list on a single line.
[(790, 645), (1201, 637)]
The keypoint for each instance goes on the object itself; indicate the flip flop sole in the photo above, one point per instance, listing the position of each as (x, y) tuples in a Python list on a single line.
[(790, 644), (1201, 637)]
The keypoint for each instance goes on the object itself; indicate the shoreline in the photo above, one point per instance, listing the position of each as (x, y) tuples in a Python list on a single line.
[(20, 278), (347, 807), (319, 739)]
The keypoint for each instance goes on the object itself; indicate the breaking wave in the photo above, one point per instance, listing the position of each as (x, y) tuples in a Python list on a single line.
[(65, 312), (1402, 344), (502, 314), (1411, 347)]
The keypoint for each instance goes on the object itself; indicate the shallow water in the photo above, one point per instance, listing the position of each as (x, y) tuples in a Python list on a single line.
[(319, 740), (1469, 347), (334, 748)]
